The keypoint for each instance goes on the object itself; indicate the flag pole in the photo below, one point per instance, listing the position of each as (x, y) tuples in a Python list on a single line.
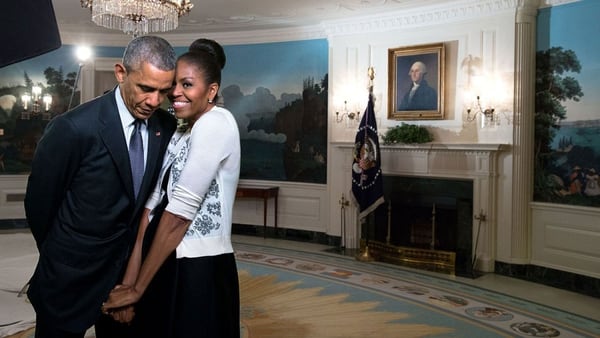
[(366, 256), (343, 204)]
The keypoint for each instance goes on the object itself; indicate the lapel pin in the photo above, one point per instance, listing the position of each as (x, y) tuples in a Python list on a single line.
[(158, 133)]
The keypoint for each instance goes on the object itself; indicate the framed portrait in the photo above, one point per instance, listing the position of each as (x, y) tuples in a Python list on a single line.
[(416, 82)]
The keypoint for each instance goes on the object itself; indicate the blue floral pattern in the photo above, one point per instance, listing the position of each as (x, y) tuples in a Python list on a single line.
[(209, 215)]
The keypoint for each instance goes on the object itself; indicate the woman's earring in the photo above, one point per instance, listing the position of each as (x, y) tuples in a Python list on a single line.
[(210, 101), (171, 110)]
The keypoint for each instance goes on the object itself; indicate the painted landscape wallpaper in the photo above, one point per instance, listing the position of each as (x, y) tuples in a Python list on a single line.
[(276, 91), (567, 131), (278, 95), (54, 73)]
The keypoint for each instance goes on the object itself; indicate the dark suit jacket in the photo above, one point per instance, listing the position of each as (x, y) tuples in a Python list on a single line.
[(81, 209), (425, 98)]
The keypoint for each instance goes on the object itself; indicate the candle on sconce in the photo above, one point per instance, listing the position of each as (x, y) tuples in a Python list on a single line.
[(48, 101), (25, 100), (36, 91)]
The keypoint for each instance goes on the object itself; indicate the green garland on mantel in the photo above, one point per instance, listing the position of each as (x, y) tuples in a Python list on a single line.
[(408, 134)]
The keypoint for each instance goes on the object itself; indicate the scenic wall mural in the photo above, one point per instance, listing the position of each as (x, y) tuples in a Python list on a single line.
[(567, 120), (278, 95), (54, 73), (276, 91)]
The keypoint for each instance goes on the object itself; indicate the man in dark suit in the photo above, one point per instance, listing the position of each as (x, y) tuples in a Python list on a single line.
[(80, 201), (420, 96)]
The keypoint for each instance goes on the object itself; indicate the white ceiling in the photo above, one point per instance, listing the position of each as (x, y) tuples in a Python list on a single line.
[(226, 16)]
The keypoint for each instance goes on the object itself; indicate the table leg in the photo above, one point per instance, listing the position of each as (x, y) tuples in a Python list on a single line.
[(276, 214), (265, 202)]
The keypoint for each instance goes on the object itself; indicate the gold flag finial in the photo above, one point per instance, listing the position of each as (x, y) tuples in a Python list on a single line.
[(371, 74)]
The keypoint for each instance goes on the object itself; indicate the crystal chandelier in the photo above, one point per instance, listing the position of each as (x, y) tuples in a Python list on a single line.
[(138, 17)]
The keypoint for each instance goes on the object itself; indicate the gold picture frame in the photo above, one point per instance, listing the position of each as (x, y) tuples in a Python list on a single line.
[(427, 100)]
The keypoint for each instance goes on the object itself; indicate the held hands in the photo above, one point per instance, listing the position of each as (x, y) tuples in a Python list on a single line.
[(123, 315), (120, 302)]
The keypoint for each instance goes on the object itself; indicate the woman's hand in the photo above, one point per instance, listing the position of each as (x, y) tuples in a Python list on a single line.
[(119, 297)]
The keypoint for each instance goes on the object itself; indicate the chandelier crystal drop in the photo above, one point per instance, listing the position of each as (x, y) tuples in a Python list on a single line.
[(138, 17)]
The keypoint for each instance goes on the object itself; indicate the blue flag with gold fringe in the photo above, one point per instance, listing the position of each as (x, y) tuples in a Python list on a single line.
[(367, 181)]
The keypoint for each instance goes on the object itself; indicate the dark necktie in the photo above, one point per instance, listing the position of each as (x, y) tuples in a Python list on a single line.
[(136, 156)]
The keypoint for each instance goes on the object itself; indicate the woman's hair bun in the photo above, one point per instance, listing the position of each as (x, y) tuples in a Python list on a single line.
[(211, 47)]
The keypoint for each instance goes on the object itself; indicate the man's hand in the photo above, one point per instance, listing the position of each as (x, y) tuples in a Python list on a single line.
[(123, 315)]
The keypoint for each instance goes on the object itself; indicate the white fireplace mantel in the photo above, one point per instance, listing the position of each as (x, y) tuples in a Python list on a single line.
[(474, 161), (492, 147)]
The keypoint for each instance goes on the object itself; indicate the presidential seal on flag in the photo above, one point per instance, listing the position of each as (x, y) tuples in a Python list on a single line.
[(365, 157), (367, 181)]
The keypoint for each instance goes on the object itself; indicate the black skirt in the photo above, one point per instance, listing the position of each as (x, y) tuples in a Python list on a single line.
[(189, 297)]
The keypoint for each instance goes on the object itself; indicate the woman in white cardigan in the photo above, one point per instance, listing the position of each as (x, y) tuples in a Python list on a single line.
[(195, 292)]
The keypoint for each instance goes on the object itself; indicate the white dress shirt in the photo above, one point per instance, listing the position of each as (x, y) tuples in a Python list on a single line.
[(127, 121)]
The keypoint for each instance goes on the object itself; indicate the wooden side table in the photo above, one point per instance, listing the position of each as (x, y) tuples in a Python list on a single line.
[(260, 192)]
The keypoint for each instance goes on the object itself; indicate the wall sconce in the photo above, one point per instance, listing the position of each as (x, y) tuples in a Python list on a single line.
[(349, 115), (489, 116), (33, 103)]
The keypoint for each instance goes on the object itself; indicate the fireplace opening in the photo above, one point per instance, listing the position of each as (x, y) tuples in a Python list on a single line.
[(431, 214)]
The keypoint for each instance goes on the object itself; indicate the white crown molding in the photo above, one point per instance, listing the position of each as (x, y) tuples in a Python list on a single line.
[(436, 15), (551, 3), (251, 37), (71, 36), (431, 15)]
